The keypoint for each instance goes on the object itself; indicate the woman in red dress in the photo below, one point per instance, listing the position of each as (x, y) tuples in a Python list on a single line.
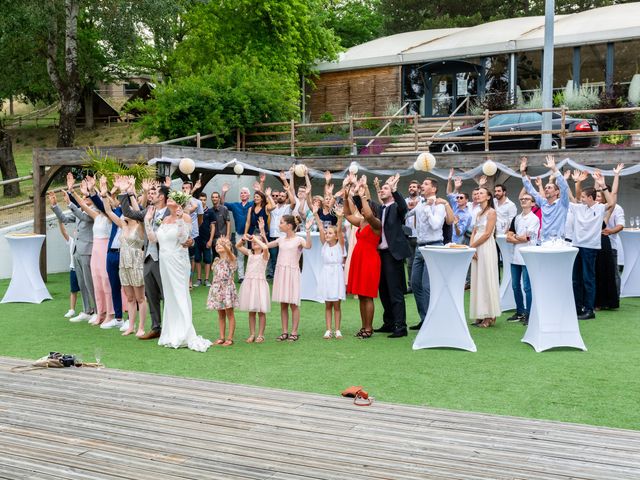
[(364, 271)]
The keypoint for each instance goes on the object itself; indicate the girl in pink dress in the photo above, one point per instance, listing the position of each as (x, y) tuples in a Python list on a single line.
[(222, 294), (254, 291), (286, 280)]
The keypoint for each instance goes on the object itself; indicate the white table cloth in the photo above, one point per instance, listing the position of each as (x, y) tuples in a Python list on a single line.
[(630, 281), (26, 283), (507, 300), (311, 268), (553, 321), (445, 324)]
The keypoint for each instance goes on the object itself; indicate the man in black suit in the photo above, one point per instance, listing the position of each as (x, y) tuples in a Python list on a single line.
[(394, 249)]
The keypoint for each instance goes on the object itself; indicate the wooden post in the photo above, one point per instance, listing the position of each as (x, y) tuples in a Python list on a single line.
[(197, 139), (486, 130), (293, 138), (563, 128), (39, 211), (415, 131), (238, 146), (354, 149)]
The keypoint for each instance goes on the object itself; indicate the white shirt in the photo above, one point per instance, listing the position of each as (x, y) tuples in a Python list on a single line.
[(568, 226), (411, 221), (274, 222), (383, 245), (616, 218), (525, 225), (475, 210), (429, 222), (587, 224), (101, 227), (72, 243), (505, 213)]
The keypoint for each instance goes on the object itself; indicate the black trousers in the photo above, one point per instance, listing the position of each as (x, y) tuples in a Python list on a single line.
[(392, 288), (153, 291)]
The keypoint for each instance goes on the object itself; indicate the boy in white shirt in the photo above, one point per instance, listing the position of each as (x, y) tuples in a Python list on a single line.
[(522, 233), (588, 217)]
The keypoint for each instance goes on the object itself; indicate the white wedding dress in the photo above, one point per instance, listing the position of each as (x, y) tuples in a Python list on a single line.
[(177, 322)]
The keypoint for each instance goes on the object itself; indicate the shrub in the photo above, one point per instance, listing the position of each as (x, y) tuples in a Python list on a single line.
[(614, 121)]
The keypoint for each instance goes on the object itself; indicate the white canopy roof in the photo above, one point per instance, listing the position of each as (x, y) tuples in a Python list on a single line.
[(605, 24)]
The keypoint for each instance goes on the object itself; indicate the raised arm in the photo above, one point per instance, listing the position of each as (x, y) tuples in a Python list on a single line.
[(527, 183), (120, 223), (148, 218)]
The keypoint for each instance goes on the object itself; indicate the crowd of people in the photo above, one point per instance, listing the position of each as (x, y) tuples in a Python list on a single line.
[(149, 246)]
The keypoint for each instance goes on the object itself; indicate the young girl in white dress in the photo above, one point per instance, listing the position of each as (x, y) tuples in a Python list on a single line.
[(254, 294), (331, 285)]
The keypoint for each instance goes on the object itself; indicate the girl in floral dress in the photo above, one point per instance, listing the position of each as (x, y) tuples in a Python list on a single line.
[(222, 294), (254, 292)]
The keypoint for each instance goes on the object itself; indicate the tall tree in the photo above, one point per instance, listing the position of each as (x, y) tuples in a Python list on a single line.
[(354, 21)]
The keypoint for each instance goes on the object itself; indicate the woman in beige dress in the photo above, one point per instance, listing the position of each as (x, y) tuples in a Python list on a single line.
[(484, 305)]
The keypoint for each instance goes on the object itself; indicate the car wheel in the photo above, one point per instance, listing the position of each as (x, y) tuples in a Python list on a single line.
[(555, 144), (450, 147)]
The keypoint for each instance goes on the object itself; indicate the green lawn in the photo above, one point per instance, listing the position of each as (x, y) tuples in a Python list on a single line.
[(599, 387)]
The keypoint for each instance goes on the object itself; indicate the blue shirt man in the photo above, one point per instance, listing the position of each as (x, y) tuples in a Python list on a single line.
[(462, 217), (239, 210)]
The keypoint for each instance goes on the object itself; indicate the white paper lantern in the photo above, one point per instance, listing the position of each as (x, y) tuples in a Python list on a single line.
[(634, 89), (416, 166), (187, 166), (300, 170), (489, 168), (426, 161), (353, 168), (238, 169)]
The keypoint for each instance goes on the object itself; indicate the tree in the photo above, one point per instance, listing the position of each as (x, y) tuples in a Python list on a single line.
[(354, 21), (7, 163), (229, 98), (79, 43)]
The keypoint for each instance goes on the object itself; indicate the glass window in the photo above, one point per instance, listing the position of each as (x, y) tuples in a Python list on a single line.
[(626, 62), (529, 72), (592, 64), (530, 117), (507, 119), (563, 67)]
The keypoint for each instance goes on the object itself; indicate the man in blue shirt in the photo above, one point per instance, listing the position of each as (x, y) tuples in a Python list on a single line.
[(239, 210), (555, 203), (461, 211)]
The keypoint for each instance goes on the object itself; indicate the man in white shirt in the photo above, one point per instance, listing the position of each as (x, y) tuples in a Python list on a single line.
[(505, 209), (430, 217), (588, 217), (410, 222), (522, 233)]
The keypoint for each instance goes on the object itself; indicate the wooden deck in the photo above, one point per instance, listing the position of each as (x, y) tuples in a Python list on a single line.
[(109, 424)]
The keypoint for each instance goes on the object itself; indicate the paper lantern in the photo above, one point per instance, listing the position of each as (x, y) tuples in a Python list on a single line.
[(238, 169), (187, 166), (426, 161), (353, 168), (300, 170), (489, 168), (417, 166), (634, 89)]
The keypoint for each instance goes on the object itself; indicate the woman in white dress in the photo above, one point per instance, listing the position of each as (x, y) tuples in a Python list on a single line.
[(175, 269), (484, 304)]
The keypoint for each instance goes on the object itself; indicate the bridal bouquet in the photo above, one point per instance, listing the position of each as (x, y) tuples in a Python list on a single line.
[(180, 198)]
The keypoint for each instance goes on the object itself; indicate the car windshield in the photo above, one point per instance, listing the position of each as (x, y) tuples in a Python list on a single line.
[(530, 117)]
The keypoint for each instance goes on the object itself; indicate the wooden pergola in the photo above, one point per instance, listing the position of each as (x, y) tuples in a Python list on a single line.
[(49, 162)]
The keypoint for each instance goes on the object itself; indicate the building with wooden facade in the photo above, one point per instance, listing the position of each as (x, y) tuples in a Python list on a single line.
[(435, 70)]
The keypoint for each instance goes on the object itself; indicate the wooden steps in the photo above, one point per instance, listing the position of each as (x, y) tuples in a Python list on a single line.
[(109, 424)]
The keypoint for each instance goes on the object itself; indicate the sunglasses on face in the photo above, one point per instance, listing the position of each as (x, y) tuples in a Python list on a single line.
[(525, 200), (460, 198)]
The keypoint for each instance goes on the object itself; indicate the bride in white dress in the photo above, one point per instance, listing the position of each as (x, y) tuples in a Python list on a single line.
[(177, 323)]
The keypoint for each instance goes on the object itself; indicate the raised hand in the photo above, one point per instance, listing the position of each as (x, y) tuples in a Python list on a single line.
[(450, 173), (338, 209), (256, 187), (393, 182), (482, 181), (567, 174), (66, 197), (327, 176), (198, 184), (225, 187), (167, 182), (618, 169), (576, 176), (147, 183), (70, 181), (267, 191), (457, 183), (538, 181), (103, 185), (283, 176), (52, 198), (315, 209), (550, 163), (90, 181), (310, 221), (83, 188), (523, 165)]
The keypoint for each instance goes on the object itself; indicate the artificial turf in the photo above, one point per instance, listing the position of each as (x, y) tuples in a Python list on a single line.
[(598, 387)]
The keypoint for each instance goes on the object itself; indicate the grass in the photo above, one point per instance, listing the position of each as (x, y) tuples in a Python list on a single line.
[(598, 387)]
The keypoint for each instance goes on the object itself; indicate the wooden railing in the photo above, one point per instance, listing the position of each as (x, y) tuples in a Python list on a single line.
[(291, 134)]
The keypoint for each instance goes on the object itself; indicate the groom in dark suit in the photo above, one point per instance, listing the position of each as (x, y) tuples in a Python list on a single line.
[(394, 249), (152, 281)]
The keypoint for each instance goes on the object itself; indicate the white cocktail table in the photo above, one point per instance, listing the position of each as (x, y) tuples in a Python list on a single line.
[(445, 324), (630, 281), (311, 268), (26, 284), (507, 299), (553, 321)]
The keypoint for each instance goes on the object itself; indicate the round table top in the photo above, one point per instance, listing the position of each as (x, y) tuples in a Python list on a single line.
[(445, 249), (548, 249), (19, 236), (632, 231)]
